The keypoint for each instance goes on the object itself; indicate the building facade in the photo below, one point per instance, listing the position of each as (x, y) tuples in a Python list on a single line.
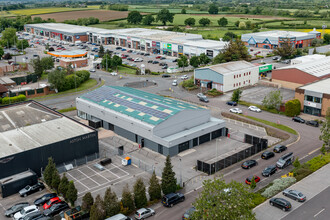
[(227, 76)]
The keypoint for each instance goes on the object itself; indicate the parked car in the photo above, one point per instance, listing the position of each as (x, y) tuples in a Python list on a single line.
[(283, 204), (188, 213), (175, 60), (276, 58), (166, 75), (144, 213), (118, 48), (162, 64), (184, 77), (175, 82), (267, 154), (123, 49), (162, 58), (173, 198), (312, 123), (51, 202), (25, 211), (33, 216), (45, 198), (147, 54), (92, 70), (133, 64), (203, 99), (15, 208), (150, 61), (232, 103), (285, 160), (130, 59), (236, 110), (158, 57), (254, 109), (270, 170), (56, 208), (31, 189), (200, 95), (249, 179), (129, 51), (113, 73), (279, 148), (138, 59), (155, 62), (298, 119), (295, 195), (249, 163), (164, 67)]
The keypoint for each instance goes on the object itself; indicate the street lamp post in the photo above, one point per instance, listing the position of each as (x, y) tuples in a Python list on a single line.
[(180, 173)]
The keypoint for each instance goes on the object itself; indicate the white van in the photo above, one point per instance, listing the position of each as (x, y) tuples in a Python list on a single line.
[(119, 217), (78, 42)]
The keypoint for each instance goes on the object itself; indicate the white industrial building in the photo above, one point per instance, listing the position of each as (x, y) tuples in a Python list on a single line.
[(307, 58)]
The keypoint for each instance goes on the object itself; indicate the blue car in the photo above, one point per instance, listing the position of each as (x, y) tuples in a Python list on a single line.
[(123, 49)]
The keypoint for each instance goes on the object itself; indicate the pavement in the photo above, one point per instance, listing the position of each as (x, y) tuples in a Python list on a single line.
[(316, 187)]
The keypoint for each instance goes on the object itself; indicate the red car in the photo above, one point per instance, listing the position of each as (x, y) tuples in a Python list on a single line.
[(123, 57), (158, 57), (51, 202), (59, 48), (249, 179)]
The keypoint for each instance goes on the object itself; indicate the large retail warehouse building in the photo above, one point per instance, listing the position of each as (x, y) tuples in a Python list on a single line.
[(164, 125), (153, 41)]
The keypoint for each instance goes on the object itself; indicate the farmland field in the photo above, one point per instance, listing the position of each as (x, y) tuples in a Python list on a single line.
[(317, 23), (37, 11), (102, 15), (151, 9)]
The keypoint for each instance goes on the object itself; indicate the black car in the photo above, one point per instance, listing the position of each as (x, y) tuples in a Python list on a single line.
[(150, 61), (203, 99), (118, 48), (175, 60), (45, 198), (15, 208), (267, 154), (56, 208), (142, 53), (173, 198), (31, 189), (147, 54), (312, 123), (279, 148), (33, 216), (249, 163), (298, 119), (129, 58), (166, 76), (164, 67), (270, 170), (129, 51), (155, 62), (162, 58), (188, 213), (232, 103), (162, 64), (283, 204)]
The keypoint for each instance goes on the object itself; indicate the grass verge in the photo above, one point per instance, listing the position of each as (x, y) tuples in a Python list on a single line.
[(67, 109)]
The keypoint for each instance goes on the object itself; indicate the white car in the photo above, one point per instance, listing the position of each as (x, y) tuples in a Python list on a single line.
[(113, 74), (25, 211), (236, 110), (175, 82), (254, 109), (92, 70), (138, 59), (200, 95), (184, 77)]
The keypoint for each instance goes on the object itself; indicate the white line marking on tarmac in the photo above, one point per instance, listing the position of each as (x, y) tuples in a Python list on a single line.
[(78, 180), (319, 212), (88, 177)]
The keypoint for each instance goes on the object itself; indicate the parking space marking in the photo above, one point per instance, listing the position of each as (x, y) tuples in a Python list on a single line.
[(2, 207), (319, 212), (121, 169), (112, 172), (96, 173), (88, 176), (77, 180)]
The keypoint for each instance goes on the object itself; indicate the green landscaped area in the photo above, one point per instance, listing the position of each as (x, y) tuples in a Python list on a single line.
[(126, 70), (37, 11)]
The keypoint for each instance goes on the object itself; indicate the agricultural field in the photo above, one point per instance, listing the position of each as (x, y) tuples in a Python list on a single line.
[(102, 15), (37, 11), (316, 23), (154, 9)]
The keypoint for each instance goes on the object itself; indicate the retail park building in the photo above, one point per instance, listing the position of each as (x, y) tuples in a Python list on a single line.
[(151, 40)]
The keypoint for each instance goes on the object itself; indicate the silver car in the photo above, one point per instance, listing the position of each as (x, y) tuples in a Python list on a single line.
[(144, 213), (295, 195)]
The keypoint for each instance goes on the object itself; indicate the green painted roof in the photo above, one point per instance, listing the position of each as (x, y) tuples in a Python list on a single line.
[(150, 108)]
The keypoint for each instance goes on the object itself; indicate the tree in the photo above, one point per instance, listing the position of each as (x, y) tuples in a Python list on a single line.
[(7, 56), (194, 61), (326, 38), (237, 23), (47, 63), (183, 11), (214, 202), (223, 22), (213, 9), (22, 44), (8, 37), (110, 203), (203, 59), (235, 50), (190, 21), (71, 193), (154, 190), (292, 107), (228, 36), (63, 187), (235, 97), (273, 100), (87, 202), (164, 16), (147, 20), (106, 61), (134, 17), (286, 49), (296, 163), (183, 62), (242, 25), (140, 197), (116, 61), (49, 170), (127, 199), (37, 66), (57, 79), (253, 183), (168, 178), (56, 179), (97, 209), (101, 51), (325, 132), (204, 21)]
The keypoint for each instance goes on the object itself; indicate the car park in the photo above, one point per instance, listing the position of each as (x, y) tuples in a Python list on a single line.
[(187, 215), (298, 119), (270, 170), (267, 154), (295, 195), (15, 208), (166, 75), (184, 77), (254, 109), (249, 163), (45, 198), (203, 99), (249, 179), (232, 103), (51, 202), (56, 208), (144, 213), (285, 160), (25, 211), (312, 123), (283, 204), (31, 189), (171, 199), (236, 110), (279, 148)]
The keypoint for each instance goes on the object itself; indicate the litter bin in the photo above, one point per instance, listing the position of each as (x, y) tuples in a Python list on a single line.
[(126, 161)]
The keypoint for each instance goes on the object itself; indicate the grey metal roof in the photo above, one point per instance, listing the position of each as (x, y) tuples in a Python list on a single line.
[(226, 68), (322, 86)]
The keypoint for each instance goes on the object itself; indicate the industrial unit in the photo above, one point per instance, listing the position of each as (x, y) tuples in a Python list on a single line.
[(225, 77), (161, 124), (30, 133), (314, 97), (154, 41), (274, 39)]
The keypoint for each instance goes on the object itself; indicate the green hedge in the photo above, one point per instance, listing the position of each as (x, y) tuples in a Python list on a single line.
[(214, 92), (189, 84), (19, 98), (73, 80), (292, 108)]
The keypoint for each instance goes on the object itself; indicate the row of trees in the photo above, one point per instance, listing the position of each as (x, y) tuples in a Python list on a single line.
[(42, 65), (83, 21), (9, 39), (164, 16)]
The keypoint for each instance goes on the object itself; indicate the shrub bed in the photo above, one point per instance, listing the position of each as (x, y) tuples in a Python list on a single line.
[(278, 186), (189, 84), (214, 92), (7, 100)]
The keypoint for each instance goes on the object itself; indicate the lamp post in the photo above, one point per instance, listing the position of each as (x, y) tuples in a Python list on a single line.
[(180, 173)]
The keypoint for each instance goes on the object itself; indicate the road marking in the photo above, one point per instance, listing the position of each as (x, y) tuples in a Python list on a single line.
[(313, 151), (88, 177), (319, 212)]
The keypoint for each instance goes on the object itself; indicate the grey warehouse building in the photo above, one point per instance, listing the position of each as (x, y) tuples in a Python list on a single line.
[(30, 133), (164, 125)]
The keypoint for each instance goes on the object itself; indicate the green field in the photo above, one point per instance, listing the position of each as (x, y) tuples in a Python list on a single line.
[(151, 9), (37, 11), (301, 22)]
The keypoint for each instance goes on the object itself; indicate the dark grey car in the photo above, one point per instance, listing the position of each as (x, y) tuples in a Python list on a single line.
[(295, 195), (15, 208)]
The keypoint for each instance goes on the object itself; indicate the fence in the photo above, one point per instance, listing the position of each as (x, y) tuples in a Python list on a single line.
[(258, 144), (77, 162)]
